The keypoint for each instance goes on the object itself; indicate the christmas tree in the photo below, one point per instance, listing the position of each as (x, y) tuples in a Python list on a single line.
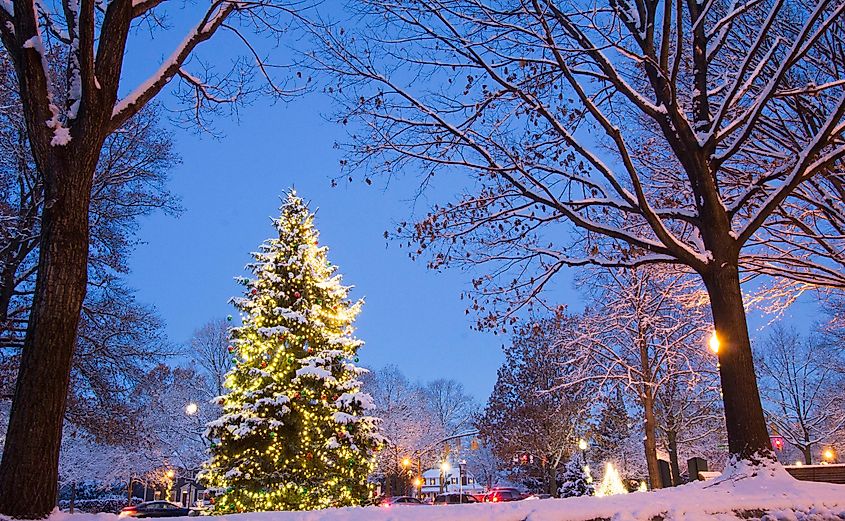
[(576, 478), (294, 433)]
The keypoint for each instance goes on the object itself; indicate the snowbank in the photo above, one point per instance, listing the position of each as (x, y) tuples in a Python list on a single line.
[(730, 497)]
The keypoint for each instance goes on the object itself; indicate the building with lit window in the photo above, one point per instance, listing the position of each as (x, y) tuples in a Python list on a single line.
[(451, 478)]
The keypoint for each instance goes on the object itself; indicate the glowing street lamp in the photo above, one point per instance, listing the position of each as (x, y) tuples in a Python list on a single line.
[(191, 409), (714, 343), (828, 455), (582, 444), (406, 462), (444, 470)]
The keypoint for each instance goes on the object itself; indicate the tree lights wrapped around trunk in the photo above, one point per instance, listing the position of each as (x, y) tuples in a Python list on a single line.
[(295, 433)]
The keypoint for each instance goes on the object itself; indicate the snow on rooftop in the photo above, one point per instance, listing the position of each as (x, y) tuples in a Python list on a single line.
[(772, 490)]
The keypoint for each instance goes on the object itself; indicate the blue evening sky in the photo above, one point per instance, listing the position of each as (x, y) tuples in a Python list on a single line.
[(230, 187)]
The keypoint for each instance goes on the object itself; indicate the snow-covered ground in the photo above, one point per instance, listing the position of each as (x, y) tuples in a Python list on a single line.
[(771, 492)]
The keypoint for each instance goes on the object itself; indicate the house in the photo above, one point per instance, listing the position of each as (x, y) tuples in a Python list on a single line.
[(453, 479)]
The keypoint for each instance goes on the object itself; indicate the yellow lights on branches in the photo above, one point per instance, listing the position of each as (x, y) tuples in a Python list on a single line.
[(279, 444)]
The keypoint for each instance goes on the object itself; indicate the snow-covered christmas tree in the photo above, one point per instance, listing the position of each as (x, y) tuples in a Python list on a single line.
[(295, 432), (576, 478)]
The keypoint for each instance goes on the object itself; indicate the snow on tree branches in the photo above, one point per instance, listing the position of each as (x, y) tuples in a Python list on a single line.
[(612, 133)]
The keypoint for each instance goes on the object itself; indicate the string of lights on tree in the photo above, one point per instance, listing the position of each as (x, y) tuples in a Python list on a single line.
[(294, 433)]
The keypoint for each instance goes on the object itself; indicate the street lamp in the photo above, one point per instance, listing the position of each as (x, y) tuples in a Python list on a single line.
[(829, 455), (714, 343), (444, 468), (582, 446), (406, 462), (191, 409)]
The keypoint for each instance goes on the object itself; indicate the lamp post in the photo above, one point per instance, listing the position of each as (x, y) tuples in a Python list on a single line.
[(444, 468), (406, 463), (191, 409), (462, 465), (829, 455)]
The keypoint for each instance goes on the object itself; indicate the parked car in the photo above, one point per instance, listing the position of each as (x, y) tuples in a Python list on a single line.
[(400, 501), (155, 509), (454, 498), (501, 495)]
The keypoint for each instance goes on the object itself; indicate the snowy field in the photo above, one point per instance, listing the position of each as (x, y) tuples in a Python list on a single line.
[(771, 495)]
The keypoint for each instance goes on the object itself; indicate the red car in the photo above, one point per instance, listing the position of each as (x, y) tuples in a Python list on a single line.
[(502, 495)]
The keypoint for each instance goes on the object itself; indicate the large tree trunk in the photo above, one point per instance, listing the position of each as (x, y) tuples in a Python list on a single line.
[(807, 449), (549, 471), (674, 465), (647, 401), (747, 435), (29, 469), (650, 440)]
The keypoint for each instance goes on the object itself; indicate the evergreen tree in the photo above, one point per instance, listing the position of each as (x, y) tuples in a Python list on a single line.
[(294, 433), (611, 434), (576, 478)]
